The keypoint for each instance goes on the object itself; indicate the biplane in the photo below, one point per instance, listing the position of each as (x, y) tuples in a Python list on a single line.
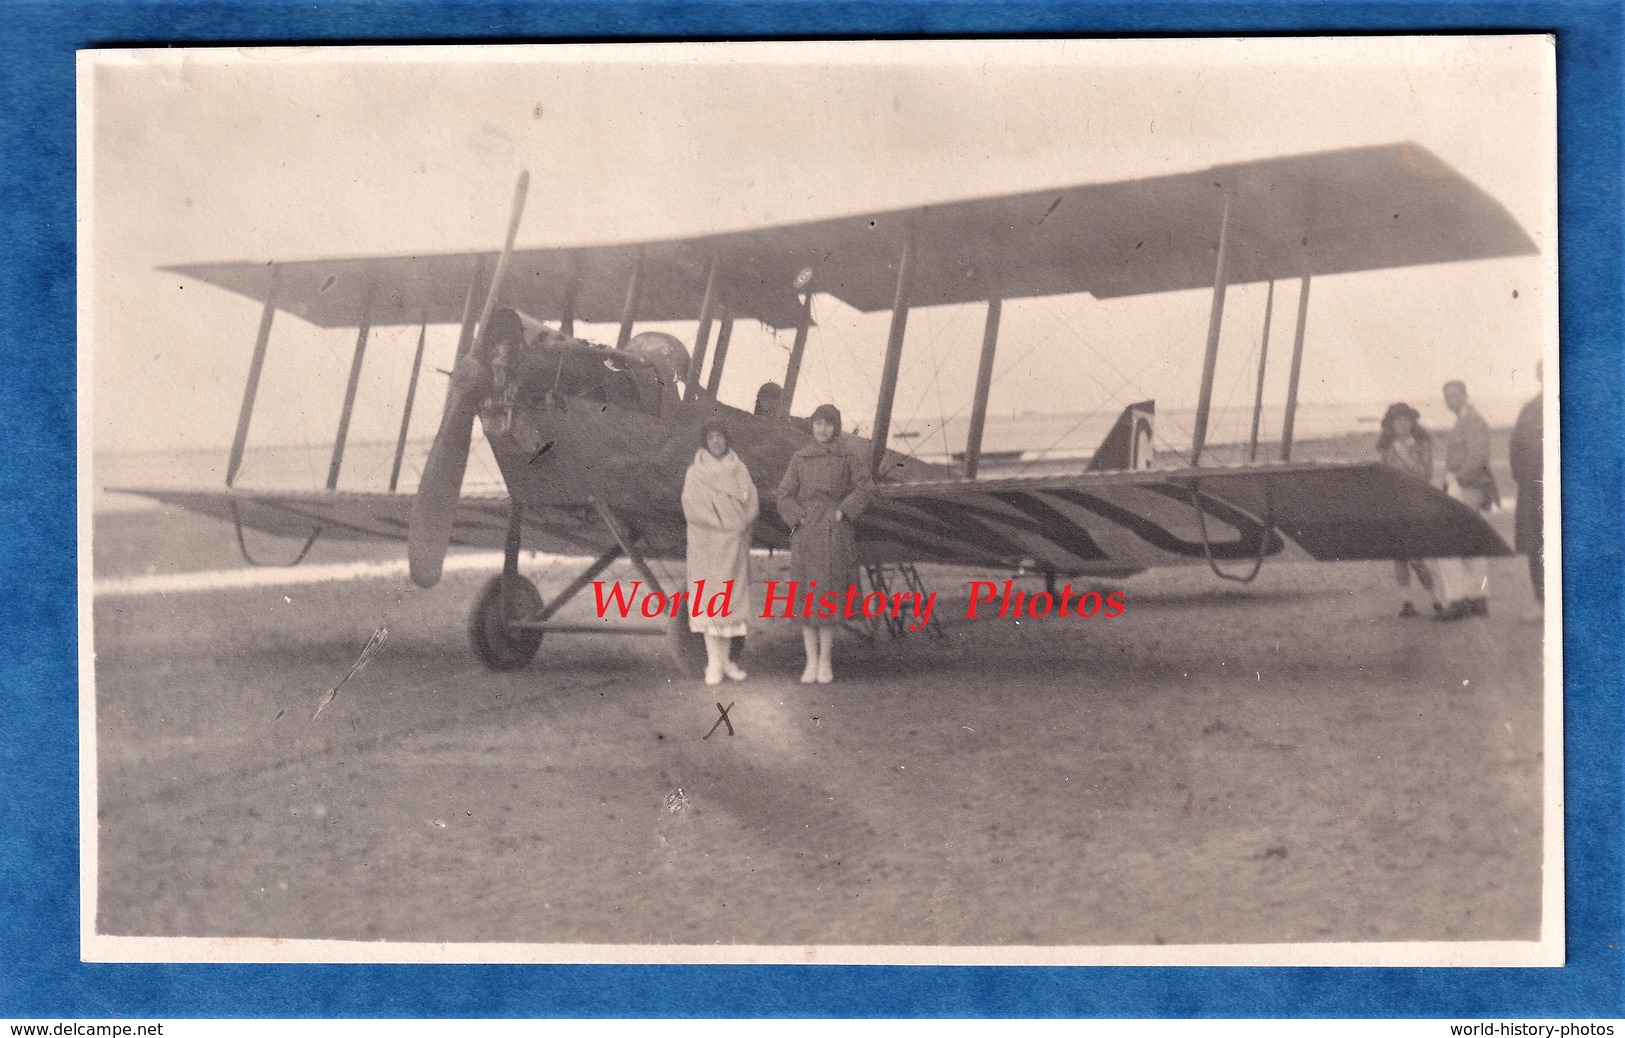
[(592, 440)]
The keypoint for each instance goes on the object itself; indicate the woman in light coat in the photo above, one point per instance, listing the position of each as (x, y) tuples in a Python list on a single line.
[(720, 504), (826, 486)]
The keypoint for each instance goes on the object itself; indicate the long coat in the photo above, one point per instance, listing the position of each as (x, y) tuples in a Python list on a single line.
[(821, 478), (1527, 472), (720, 504)]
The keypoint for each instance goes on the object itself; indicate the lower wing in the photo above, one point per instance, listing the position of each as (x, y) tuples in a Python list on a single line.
[(1096, 522), (1119, 522), (481, 522)]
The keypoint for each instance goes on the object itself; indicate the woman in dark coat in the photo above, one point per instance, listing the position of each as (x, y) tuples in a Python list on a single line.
[(1406, 446), (826, 486)]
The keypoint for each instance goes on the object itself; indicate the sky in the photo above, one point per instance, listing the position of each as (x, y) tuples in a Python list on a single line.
[(196, 156)]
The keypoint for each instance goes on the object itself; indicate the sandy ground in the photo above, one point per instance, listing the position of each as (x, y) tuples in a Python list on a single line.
[(1287, 761)]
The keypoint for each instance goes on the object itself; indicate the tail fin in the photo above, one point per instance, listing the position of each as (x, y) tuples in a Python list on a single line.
[(1129, 444)]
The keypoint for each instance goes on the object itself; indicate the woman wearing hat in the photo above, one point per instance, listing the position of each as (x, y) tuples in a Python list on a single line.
[(1405, 445), (826, 486), (720, 504)]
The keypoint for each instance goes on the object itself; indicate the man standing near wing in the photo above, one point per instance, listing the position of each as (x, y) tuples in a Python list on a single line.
[(1525, 452), (1467, 478)]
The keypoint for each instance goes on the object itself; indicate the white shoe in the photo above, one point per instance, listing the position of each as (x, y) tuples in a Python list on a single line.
[(809, 673), (826, 673), (734, 671), (713, 675)]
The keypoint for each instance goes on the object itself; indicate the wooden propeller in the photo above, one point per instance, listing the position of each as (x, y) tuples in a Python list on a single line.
[(434, 509)]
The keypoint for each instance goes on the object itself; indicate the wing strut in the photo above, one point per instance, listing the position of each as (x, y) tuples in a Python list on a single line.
[(343, 433), (406, 411), (702, 337), (1297, 364), (465, 334), (725, 333), (984, 383), (567, 318), (252, 387), (797, 351), (634, 288), (894, 355), (1263, 353), (1214, 321)]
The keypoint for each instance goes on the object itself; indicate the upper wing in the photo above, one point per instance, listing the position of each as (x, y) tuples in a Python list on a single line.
[(1324, 213), (1122, 521)]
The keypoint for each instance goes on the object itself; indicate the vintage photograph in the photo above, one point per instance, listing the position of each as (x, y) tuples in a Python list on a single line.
[(1044, 501)]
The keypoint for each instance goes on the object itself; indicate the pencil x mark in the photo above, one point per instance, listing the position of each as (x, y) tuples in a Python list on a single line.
[(723, 710)]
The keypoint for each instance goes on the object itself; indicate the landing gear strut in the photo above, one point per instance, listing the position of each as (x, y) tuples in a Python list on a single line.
[(687, 648), (509, 617), (498, 640)]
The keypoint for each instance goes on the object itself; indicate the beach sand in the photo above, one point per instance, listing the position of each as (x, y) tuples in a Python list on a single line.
[(1279, 762)]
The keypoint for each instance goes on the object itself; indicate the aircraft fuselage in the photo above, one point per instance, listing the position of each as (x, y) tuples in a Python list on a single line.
[(572, 423)]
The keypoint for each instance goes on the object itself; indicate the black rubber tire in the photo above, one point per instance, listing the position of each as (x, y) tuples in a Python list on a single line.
[(493, 644), (687, 648)]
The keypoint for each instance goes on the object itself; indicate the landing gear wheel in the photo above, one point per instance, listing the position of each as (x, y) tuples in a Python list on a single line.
[(687, 648), (497, 646)]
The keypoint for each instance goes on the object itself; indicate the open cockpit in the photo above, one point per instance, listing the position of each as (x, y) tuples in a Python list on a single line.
[(533, 365)]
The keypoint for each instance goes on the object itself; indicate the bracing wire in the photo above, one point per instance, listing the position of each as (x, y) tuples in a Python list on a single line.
[(1241, 377), (942, 421), (846, 347), (930, 346), (1129, 381), (1228, 402), (997, 377), (1040, 455), (1111, 400)]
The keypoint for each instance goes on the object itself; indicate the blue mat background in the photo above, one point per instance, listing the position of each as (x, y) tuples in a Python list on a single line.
[(40, 972)]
